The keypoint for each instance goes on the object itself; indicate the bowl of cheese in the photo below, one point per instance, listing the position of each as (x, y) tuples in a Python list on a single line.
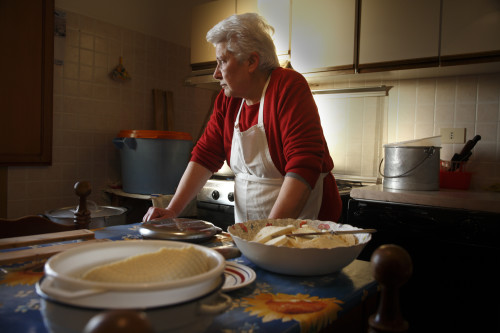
[(268, 244)]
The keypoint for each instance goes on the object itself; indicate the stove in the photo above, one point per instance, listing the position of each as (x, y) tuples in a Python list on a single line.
[(215, 202)]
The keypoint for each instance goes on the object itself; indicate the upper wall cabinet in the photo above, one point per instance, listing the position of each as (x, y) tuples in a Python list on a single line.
[(470, 31), (399, 34), (323, 35), (277, 14), (27, 58), (203, 18)]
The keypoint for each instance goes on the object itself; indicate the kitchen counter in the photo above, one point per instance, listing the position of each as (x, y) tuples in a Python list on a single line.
[(458, 199), (452, 238)]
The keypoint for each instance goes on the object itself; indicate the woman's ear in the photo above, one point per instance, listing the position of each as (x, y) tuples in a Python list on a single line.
[(253, 61)]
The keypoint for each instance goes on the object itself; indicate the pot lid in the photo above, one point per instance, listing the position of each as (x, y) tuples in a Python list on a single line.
[(95, 211), (179, 229)]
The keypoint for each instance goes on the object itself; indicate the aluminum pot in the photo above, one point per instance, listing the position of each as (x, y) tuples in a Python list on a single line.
[(413, 168), (68, 302), (189, 317)]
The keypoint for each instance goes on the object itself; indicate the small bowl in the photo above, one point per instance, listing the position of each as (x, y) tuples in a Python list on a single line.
[(296, 261)]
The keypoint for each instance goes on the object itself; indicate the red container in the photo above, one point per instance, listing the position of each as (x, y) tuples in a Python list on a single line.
[(454, 177)]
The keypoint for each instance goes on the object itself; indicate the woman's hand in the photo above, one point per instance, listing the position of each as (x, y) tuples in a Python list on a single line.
[(157, 212)]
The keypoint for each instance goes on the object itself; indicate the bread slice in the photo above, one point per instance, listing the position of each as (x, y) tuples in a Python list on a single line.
[(267, 233)]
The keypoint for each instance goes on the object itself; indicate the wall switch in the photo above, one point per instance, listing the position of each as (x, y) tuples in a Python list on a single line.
[(452, 135)]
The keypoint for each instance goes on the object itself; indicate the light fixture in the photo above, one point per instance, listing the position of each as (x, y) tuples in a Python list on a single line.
[(354, 92)]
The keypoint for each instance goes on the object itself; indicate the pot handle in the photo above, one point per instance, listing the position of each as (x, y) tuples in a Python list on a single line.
[(52, 291), (217, 308), (129, 142), (430, 151)]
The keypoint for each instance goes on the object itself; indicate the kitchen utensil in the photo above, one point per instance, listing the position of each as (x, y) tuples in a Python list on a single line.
[(100, 216), (334, 232), (179, 229), (296, 261), (464, 154), (193, 316), (411, 167)]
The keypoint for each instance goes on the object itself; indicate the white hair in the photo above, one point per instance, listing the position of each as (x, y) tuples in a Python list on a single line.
[(244, 34)]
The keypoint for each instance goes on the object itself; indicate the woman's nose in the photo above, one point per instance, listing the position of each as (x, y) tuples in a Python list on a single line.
[(217, 74)]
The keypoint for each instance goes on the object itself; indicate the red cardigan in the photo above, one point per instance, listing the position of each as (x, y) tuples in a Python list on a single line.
[(293, 129)]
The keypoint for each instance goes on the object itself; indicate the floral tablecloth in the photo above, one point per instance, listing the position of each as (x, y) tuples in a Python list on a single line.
[(272, 303)]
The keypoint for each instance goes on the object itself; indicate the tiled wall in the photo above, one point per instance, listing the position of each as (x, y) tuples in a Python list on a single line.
[(90, 109), (357, 127)]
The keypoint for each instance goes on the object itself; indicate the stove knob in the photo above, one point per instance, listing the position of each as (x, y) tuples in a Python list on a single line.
[(215, 194), (230, 196)]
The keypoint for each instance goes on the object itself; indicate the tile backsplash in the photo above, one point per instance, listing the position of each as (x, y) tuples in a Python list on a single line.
[(90, 109), (356, 128)]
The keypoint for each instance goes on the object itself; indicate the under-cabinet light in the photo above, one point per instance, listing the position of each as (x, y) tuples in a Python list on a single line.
[(354, 92)]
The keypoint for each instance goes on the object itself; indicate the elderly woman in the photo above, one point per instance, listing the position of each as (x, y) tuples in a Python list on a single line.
[(266, 125)]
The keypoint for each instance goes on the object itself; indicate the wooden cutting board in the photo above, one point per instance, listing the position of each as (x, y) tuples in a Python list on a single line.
[(43, 252)]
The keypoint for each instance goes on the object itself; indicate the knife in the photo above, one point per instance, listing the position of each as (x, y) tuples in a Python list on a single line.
[(334, 232), (464, 154)]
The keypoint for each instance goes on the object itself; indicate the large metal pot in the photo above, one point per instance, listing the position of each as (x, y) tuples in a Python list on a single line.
[(413, 168), (183, 305)]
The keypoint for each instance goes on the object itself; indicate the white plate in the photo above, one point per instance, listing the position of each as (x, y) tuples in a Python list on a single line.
[(237, 276)]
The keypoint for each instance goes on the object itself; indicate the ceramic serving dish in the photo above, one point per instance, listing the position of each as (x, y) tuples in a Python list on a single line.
[(296, 261)]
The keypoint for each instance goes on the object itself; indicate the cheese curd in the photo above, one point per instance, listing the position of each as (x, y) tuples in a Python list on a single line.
[(273, 235), (162, 265)]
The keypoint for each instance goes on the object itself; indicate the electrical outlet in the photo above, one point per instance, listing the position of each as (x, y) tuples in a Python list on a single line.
[(452, 135)]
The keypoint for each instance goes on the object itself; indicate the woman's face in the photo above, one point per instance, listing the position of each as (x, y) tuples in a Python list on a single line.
[(232, 74)]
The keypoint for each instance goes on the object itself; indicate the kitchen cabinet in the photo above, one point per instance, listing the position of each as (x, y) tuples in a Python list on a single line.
[(27, 36), (470, 31), (277, 14), (323, 35), (398, 34), (203, 18), (454, 251)]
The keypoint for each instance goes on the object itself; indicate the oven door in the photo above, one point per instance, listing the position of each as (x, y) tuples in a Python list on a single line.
[(220, 215)]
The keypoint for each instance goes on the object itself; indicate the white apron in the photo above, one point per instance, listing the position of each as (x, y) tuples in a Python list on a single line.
[(257, 181)]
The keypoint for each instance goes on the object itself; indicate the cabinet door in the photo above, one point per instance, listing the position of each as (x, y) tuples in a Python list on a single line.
[(27, 39), (323, 35), (470, 31), (397, 34), (203, 18), (277, 14)]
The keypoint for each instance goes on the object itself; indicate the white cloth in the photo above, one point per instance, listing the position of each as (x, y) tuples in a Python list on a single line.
[(257, 180)]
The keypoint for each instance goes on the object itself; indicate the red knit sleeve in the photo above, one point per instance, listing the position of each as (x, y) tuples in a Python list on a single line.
[(209, 150)]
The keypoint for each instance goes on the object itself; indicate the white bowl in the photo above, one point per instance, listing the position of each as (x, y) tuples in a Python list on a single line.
[(62, 272), (295, 261)]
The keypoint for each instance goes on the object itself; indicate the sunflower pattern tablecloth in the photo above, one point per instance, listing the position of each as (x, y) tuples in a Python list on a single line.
[(272, 303)]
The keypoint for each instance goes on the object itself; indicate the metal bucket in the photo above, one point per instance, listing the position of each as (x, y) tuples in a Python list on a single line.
[(411, 167)]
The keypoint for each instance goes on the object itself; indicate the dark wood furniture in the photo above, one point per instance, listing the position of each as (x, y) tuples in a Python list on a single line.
[(27, 58), (37, 224)]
